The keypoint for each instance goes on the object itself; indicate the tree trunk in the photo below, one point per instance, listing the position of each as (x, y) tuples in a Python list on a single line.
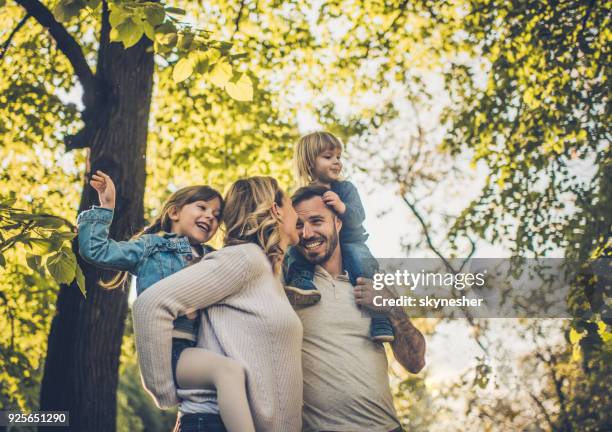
[(81, 368)]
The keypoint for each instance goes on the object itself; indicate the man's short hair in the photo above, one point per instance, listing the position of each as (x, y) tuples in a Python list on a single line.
[(311, 191)]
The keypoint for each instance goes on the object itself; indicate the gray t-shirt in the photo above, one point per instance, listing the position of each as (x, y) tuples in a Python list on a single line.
[(346, 383)]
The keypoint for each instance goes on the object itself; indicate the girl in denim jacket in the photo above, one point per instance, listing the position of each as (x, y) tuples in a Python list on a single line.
[(317, 161), (187, 220)]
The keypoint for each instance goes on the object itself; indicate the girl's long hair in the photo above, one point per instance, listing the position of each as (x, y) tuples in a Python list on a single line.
[(177, 200), (306, 151), (248, 216)]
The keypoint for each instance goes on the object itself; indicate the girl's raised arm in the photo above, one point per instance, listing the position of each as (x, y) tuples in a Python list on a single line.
[(96, 248)]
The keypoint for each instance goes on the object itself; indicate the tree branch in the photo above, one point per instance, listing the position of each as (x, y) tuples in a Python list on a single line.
[(65, 42), (7, 43), (238, 18), (543, 410)]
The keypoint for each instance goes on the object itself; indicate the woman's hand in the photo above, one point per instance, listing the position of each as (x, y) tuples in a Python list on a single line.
[(105, 187), (333, 200)]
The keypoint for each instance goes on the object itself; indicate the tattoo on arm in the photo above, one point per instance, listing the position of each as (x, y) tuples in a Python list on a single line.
[(409, 345)]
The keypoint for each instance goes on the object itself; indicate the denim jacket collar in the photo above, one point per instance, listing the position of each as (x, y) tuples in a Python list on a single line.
[(183, 244)]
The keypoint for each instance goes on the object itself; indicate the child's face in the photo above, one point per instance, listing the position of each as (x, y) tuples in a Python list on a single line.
[(198, 221), (328, 165)]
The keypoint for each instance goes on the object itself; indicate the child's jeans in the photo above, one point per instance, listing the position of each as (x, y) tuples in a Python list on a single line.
[(358, 262)]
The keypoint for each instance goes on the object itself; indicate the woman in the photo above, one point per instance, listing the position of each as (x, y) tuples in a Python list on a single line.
[(247, 316)]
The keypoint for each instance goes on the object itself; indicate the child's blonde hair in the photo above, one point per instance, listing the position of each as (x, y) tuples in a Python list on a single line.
[(306, 151)]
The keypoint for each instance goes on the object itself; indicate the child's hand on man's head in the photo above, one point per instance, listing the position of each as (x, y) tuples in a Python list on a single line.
[(105, 187), (333, 200)]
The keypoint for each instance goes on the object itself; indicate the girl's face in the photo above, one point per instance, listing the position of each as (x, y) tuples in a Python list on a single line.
[(288, 220), (328, 166), (198, 221)]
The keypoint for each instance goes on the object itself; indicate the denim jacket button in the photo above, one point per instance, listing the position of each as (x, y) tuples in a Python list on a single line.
[(189, 257)]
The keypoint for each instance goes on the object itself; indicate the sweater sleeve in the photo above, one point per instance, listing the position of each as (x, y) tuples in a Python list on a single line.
[(219, 275), (354, 215)]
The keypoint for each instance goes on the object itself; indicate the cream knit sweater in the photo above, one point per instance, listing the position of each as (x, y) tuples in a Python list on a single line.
[(247, 318)]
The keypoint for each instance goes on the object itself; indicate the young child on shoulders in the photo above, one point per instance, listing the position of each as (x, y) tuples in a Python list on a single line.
[(317, 157)]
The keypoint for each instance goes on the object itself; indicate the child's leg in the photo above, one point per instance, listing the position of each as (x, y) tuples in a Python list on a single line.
[(199, 368), (359, 262), (299, 273)]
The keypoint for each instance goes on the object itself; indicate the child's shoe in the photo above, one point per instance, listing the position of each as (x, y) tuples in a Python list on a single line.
[(381, 330), (302, 292)]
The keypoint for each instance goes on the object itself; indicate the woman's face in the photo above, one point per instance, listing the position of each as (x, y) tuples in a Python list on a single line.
[(288, 220)]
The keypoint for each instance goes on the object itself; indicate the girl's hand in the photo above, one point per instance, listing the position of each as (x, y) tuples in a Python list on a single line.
[(105, 187), (333, 200)]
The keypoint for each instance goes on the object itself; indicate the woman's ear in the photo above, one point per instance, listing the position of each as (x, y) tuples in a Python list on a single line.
[(277, 212), (173, 213)]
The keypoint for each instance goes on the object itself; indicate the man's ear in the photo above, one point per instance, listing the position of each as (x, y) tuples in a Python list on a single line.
[(338, 223)]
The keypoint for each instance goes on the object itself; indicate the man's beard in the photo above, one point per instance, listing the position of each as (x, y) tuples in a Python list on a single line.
[(331, 242)]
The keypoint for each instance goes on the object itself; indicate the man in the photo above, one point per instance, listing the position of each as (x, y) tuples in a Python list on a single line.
[(346, 384)]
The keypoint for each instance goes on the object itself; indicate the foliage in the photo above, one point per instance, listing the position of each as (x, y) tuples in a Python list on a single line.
[(189, 48), (538, 117), (43, 235), (26, 316), (528, 88)]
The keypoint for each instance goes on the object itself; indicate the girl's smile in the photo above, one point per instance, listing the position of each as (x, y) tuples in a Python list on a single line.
[(198, 221)]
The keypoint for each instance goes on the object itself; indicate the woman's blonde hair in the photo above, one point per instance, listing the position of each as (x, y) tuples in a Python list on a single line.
[(248, 216), (306, 151), (163, 223)]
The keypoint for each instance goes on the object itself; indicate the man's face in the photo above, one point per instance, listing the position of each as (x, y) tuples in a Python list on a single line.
[(318, 227)]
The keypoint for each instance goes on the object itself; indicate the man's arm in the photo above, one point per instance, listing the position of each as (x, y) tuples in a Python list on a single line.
[(409, 344)]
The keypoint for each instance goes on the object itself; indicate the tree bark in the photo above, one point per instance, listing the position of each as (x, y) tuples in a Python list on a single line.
[(84, 345)]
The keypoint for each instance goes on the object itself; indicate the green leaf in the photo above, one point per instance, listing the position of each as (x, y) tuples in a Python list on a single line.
[(64, 235), (7, 202), (182, 70), (117, 16), (241, 90), (184, 41), (201, 66), (62, 266), (166, 39), (130, 33), (35, 263), (114, 35), (67, 9), (80, 280), (149, 30), (49, 221), (221, 74), (155, 15), (175, 10), (2, 261), (23, 217), (91, 3), (41, 246)]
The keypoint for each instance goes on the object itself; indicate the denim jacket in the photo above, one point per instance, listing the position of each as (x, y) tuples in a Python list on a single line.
[(352, 220), (150, 258)]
